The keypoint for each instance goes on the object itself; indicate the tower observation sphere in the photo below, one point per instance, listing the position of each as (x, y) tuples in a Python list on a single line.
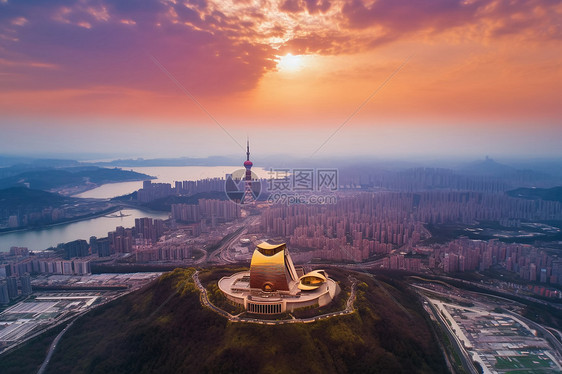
[(248, 164)]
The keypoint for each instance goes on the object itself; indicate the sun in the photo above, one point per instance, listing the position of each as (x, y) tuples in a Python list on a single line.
[(290, 63)]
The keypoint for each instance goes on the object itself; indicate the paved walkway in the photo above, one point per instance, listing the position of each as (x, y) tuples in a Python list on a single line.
[(207, 303)]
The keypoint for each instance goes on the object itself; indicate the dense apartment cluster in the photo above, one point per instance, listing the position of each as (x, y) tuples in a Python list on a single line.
[(17, 265), (145, 232), (154, 191), (12, 287), (354, 228), (33, 216), (423, 179), (403, 261), (362, 225), (215, 210), (76, 255), (531, 263), (169, 252), (15, 280), (467, 207), (43, 216), (45, 263)]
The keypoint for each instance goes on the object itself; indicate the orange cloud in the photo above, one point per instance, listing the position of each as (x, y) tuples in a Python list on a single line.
[(474, 55)]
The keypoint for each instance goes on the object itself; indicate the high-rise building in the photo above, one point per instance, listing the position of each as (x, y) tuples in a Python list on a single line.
[(4, 296), (81, 267), (26, 284), (67, 267), (13, 221), (19, 251), (12, 287), (76, 248), (186, 212)]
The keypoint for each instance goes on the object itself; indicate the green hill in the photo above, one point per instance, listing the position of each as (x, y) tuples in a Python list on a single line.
[(51, 178), (551, 194), (164, 329), (22, 198)]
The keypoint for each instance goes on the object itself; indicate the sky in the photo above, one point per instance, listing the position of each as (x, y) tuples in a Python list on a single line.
[(314, 78)]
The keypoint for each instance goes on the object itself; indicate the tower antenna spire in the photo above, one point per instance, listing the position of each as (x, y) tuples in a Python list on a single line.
[(247, 148)]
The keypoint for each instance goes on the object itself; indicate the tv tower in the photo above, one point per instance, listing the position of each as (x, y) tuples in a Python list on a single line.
[(248, 196)]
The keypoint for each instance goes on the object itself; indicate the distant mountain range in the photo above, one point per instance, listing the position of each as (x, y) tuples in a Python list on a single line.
[(12, 165), (486, 167), (490, 168), (525, 172), (180, 161), (30, 162)]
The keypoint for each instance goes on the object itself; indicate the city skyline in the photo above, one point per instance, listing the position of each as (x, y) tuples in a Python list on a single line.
[(165, 79)]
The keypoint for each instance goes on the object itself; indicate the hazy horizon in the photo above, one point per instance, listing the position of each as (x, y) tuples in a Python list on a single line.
[(311, 79)]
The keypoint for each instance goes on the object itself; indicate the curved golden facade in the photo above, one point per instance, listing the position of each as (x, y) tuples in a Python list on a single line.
[(271, 268), (313, 280), (273, 286), (270, 249)]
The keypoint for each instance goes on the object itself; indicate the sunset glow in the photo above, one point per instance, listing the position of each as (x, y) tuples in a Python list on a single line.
[(290, 63), (484, 65)]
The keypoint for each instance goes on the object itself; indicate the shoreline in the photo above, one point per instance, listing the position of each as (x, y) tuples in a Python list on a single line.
[(86, 188), (70, 220), (129, 205), (94, 186), (82, 218), (104, 213)]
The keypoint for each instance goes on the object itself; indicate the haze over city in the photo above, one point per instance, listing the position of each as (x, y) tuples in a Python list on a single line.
[(292, 186), (462, 78)]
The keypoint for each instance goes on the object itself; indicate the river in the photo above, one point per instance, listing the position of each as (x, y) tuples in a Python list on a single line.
[(46, 237), (164, 174)]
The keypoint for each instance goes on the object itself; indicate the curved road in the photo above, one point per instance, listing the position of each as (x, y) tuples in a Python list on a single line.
[(456, 344), (206, 302), (52, 348), (220, 255)]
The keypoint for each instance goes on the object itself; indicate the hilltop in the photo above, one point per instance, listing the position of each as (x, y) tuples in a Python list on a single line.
[(22, 198), (57, 178), (163, 328)]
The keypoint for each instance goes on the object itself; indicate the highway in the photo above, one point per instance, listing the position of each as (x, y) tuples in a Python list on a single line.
[(455, 342), (552, 335), (220, 255), (508, 295), (546, 333)]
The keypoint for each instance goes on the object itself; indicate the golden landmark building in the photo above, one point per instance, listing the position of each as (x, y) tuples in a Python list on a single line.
[(274, 285)]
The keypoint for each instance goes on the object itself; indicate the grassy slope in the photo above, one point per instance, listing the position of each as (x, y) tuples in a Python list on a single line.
[(142, 333)]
